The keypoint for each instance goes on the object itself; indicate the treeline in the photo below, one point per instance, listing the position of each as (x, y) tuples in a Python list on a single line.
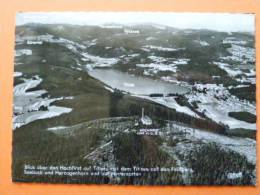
[(40, 147), (131, 150), (243, 116), (245, 93), (212, 164)]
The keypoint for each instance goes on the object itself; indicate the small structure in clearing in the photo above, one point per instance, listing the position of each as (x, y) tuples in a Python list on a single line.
[(146, 120)]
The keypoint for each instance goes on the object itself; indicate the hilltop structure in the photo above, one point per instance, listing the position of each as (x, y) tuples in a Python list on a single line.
[(146, 120)]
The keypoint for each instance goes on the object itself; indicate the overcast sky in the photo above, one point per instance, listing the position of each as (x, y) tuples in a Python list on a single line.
[(213, 21)]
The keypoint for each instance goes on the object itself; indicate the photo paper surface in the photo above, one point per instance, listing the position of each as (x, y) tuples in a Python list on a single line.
[(136, 98)]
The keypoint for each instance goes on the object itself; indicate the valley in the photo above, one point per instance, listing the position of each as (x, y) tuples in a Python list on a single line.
[(112, 97)]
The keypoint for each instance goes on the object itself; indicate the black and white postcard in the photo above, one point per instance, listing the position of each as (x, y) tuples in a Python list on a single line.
[(136, 98)]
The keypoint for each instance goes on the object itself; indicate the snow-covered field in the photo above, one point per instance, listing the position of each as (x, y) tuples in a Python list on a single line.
[(96, 61), (21, 52), (240, 54), (18, 74), (216, 102), (162, 64), (30, 106), (153, 47), (231, 71), (202, 43)]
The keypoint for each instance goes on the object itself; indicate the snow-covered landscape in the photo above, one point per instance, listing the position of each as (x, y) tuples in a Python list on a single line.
[(30, 106), (111, 87)]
